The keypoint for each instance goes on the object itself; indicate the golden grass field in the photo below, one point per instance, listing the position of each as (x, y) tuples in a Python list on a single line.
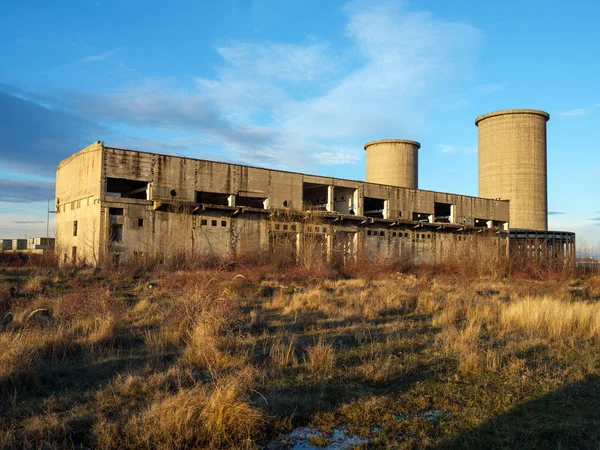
[(235, 356)]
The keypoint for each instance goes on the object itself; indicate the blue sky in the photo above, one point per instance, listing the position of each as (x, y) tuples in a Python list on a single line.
[(297, 85)]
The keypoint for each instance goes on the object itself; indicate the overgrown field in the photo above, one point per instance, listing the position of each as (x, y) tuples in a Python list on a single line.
[(237, 356)]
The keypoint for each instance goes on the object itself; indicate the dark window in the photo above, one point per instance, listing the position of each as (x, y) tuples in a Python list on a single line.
[(173, 193), (308, 228), (393, 234), (417, 235), (420, 217), (382, 233), (373, 207), (428, 236), (223, 223), (405, 234), (293, 227), (75, 228), (121, 187), (441, 212), (203, 222), (285, 203), (115, 211), (368, 232), (250, 202), (212, 198), (74, 255), (213, 223), (116, 233), (140, 222), (285, 227), (277, 226)]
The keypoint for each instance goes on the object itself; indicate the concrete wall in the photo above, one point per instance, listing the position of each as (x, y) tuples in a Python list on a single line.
[(512, 164), (78, 192), (166, 219)]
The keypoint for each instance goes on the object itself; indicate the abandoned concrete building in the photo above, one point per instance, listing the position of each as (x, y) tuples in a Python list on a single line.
[(123, 204)]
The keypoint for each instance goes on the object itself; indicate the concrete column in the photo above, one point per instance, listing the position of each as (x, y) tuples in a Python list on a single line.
[(330, 198)]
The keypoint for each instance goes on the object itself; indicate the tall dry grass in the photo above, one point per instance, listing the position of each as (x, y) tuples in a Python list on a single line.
[(552, 318), (203, 416)]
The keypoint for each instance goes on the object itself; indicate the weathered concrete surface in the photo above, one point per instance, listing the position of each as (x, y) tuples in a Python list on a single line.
[(512, 164), (393, 162), (129, 204)]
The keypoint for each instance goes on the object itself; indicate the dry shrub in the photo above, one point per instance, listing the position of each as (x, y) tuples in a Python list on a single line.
[(551, 317), (5, 299), (282, 352), (258, 320), (215, 415), (36, 284), (320, 359), (210, 349), (21, 352), (380, 367)]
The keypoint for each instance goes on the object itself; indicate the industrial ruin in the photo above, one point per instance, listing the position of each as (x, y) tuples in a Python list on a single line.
[(121, 204)]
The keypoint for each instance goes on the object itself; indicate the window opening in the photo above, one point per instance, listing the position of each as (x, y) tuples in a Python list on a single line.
[(314, 196), (374, 207), (442, 212), (124, 188), (212, 198)]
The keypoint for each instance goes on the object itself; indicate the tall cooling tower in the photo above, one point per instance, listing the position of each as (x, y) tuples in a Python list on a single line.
[(512, 164), (394, 162)]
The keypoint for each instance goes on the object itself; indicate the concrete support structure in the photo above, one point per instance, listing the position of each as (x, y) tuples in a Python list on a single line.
[(512, 164), (394, 162), (122, 204)]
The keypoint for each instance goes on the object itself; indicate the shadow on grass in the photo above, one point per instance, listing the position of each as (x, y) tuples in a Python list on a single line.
[(568, 418)]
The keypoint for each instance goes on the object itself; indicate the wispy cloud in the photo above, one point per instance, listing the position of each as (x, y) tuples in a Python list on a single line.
[(102, 56), (25, 222), (96, 57), (33, 137), (26, 191), (576, 112), (555, 213), (302, 104)]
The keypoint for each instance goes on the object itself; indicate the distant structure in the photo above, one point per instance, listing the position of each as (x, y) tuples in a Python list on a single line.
[(121, 204), (512, 164), (394, 162), (31, 245)]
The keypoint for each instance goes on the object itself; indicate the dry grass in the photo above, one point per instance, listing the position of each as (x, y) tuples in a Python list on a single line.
[(320, 359), (551, 317), (217, 415), (220, 358)]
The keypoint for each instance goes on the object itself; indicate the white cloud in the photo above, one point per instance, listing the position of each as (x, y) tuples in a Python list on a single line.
[(304, 104), (577, 112)]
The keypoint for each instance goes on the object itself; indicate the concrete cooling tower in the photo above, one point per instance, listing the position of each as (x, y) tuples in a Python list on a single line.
[(512, 164), (393, 162)]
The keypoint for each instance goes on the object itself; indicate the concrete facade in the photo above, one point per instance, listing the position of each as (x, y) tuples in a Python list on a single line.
[(124, 204), (512, 164), (394, 162)]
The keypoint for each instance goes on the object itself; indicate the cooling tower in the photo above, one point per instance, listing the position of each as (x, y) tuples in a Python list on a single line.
[(394, 162), (512, 164)]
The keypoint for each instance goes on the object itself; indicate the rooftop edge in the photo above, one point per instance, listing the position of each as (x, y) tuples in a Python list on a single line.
[(393, 141), (503, 112)]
